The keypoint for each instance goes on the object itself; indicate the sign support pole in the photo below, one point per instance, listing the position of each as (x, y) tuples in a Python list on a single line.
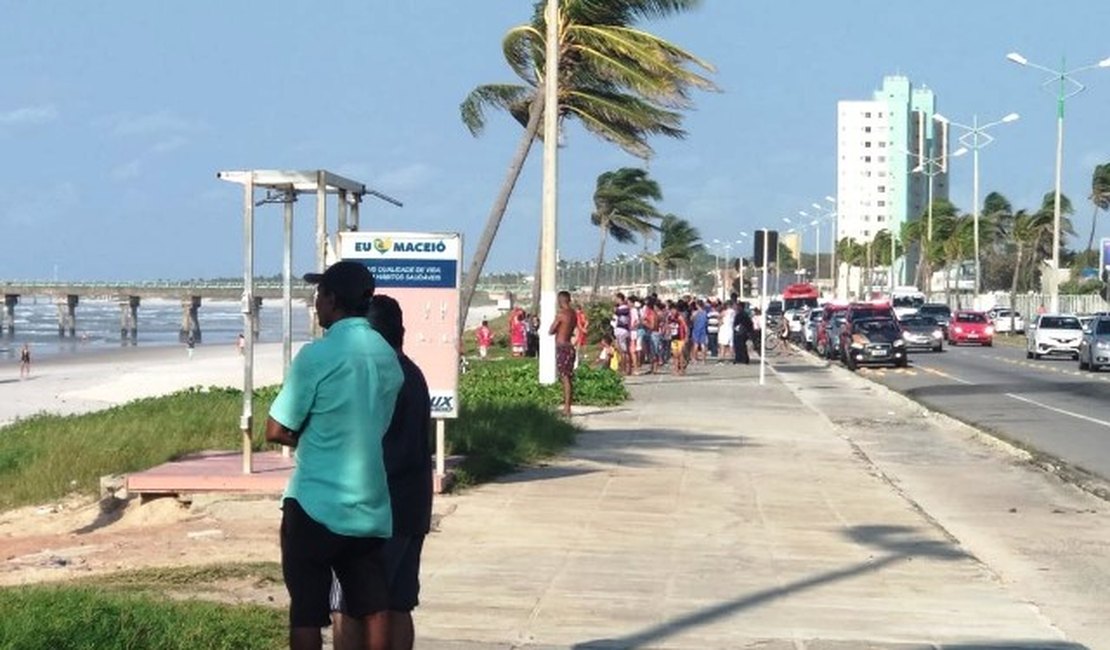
[(763, 314)]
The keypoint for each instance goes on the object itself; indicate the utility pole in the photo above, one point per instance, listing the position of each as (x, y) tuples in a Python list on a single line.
[(548, 230)]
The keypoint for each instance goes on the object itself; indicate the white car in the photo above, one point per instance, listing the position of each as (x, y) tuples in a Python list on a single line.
[(1007, 321), (811, 327), (1053, 334)]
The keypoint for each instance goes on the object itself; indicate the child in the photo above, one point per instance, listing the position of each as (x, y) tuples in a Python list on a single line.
[(485, 339), (608, 356)]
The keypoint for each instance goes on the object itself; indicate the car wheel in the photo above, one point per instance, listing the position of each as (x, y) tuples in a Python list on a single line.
[(1083, 365), (1028, 354), (901, 364), (1036, 356), (938, 348), (850, 362), (988, 344)]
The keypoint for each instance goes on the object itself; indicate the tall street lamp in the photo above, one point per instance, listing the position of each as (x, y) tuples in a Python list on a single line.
[(1067, 87), (975, 137), (931, 167)]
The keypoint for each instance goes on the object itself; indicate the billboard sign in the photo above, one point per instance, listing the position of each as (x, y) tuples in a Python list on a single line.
[(421, 272)]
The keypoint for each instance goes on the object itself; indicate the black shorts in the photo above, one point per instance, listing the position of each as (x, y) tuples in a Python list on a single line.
[(401, 557), (310, 553)]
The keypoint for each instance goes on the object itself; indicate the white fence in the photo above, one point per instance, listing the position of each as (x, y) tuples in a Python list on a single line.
[(1026, 303)]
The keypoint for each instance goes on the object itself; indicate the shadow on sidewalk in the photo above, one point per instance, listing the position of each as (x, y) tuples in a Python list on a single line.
[(897, 543), (545, 473), (632, 447)]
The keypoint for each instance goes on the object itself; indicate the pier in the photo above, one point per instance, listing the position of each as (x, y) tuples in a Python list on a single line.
[(129, 295)]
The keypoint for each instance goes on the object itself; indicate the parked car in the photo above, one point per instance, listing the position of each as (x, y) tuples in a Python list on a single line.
[(1006, 320), (832, 343), (922, 333), (828, 341), (970, 327), (811, 327), (1094, 347), (1053, 334), (861, 311), (940, 311), (873, 341), (794, 319)]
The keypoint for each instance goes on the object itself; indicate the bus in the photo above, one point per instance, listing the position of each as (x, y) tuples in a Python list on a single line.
[(799, 296)]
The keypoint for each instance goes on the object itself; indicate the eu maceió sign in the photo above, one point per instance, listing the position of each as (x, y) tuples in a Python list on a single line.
[(414, 261)]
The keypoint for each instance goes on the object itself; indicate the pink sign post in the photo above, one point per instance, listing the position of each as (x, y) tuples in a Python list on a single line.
[(422, 272)]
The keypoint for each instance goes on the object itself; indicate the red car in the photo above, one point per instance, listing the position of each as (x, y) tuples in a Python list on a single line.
[(970, 327), (827, 345)]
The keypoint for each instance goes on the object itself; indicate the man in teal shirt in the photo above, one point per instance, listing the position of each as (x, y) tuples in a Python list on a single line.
[(334, 407)]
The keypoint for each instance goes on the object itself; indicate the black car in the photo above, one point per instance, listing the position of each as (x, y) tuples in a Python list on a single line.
[(938, 310), (922, 333), (875, 341)]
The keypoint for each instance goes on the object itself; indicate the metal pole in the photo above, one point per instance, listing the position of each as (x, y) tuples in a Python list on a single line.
[(975, 206), (928, 281), (321, 239), (763, 314), (246, 418), (441, 450), (287, 291), (548, 230), (1054, 296)]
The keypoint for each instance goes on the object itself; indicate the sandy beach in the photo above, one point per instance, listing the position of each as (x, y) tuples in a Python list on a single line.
[(110, 378)]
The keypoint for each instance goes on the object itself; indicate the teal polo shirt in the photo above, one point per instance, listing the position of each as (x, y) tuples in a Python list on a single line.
[(339, 395)]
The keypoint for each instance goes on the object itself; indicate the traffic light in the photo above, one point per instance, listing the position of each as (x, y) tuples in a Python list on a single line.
[(772, 237)]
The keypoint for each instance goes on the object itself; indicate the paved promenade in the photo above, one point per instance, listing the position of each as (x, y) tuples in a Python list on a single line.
[(710, 512)]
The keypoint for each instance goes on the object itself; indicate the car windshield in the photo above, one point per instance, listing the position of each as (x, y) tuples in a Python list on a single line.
[(774, 308), (815, 315), (859, 313), (919, 321), (914, 302), (970, 318), (940, 310), (875, 327), (1060, 323), (1103, 327)]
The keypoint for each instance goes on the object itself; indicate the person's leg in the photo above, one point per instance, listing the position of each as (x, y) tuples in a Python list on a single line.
[(361, 572), (347, 633), (568, 391), (306, 548), (402, 633)]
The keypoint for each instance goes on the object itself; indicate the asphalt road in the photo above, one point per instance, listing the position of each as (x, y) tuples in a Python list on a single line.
[(1047, 405)]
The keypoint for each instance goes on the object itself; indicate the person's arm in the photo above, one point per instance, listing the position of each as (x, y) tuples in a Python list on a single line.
[(555, 325), (277, 432)]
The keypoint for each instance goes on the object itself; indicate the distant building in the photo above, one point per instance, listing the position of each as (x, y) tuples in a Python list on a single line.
[(879, 144), (793, 242)]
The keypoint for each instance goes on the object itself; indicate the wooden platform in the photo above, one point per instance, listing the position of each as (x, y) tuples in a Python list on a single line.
[(214, 471)]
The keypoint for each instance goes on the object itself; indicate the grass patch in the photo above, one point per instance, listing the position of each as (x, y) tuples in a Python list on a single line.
[(508, 419), (47, 456), (163, 578), (91, 618)]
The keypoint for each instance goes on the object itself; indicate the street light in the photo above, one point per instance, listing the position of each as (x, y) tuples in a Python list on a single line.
[(975, 137), (1064, 77), (931, 167)]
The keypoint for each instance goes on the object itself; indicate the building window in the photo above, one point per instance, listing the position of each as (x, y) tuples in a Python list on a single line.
[(880, 218), (881, 204), (867, 129), (867, 159), (882, 158), (866, 145), (882, 145), (881, 189), (867, 114), (882, 174), (866, 233)]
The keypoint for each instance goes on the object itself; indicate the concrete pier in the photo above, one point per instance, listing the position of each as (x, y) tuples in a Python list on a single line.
[(189, 322), (129, 319), (67, 315), (256, 321), (7, 318)]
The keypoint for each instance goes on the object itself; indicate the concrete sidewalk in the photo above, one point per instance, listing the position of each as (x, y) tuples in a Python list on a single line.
[(710, 512)]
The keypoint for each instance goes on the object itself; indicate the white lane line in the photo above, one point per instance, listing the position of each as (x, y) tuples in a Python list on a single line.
[(1080, 416)]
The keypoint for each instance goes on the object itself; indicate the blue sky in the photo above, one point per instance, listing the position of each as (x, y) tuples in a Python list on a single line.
[(115, 117)]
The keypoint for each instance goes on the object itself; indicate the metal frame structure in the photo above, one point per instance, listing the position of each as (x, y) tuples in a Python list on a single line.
[(284, 187)]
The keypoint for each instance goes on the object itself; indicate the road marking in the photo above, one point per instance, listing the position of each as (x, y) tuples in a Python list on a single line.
[(1088, 418), (946, 375)]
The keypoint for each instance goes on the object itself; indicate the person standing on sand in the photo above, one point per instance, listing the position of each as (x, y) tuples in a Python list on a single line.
[(190, 344), (24, 362), (408, 465), (241, 344), (334, 408), (562, 329)]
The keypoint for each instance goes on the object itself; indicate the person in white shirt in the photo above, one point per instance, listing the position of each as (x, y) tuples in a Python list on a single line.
[(724, 333)]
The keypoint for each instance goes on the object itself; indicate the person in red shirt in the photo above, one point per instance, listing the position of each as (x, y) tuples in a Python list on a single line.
[(485, 339), (582, 322), (517, 334)]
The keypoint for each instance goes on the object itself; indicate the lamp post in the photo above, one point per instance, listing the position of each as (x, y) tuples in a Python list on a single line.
[(1067, 86), (931, 167), (975, 137)]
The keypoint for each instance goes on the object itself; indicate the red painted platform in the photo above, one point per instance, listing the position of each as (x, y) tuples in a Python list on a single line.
[(214, 471)]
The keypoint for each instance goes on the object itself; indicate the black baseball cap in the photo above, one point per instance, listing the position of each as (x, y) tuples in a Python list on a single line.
[(346, 279)]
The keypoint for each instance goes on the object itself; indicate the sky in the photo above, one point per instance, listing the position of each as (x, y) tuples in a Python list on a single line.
[(115, 118)]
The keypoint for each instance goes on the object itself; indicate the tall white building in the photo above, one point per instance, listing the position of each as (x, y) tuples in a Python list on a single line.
[(881, 143)]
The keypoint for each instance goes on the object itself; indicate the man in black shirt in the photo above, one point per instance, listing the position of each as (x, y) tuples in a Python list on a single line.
[(408, 463)]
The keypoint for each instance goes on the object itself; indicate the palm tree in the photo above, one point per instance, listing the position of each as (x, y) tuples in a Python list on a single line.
[(882, 247), (1022, 235), (623, 209), (851, 252), (622, 83), (1044, 226), (1100, 197), (931, 245), (678, 242), (997, 213)]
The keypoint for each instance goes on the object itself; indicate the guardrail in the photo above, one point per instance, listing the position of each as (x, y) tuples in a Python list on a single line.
[(155, 288)]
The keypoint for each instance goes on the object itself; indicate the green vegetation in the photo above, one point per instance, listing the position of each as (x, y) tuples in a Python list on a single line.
[(507, 418), (92, 618), (162, 579), (47, 456)]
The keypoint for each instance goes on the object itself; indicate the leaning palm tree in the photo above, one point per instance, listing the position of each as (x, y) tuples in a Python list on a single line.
[(622, 83), (1022, 235), (1043, 226), (678, 242), (1100, 197), (623, 209)]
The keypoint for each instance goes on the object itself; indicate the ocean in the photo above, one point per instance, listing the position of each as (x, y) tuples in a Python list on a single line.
[(98, 325)]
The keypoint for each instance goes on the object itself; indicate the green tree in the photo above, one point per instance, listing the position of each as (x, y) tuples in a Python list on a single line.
[(620, 82), (1044, 226), (623, 209), (678, 242), (853, 253), (1100, 197), (1022, 234)]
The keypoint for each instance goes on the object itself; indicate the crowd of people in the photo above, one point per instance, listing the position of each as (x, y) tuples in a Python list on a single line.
[(650, 334)]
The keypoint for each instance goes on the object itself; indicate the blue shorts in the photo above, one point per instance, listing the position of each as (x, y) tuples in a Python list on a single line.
[(700, 338)]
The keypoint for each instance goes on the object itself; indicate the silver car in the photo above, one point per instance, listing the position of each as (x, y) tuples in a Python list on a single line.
[(1053, 334), (1094, 348)]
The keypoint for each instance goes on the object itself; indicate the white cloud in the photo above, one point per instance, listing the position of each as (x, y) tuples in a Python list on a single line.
[(29, 115), (127, 171), (153, 124), (169, 144), (26, 207)]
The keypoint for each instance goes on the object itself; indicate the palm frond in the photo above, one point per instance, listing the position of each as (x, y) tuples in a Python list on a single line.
[(511, 97)]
